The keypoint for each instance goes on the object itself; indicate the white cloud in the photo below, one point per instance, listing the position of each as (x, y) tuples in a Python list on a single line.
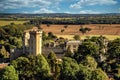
[(16, 4), (84, 12), (88, 12), (68, 12), (43, 10), (82, 3)]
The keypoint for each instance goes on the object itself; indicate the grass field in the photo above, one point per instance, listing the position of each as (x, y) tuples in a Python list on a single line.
[(3, 23), (110, 37)]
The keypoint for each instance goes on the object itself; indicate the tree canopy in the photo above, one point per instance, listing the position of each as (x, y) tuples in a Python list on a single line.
[(114, 48), (86, 48), (32, 67), (69, 69), (9, 73), (98, 74)]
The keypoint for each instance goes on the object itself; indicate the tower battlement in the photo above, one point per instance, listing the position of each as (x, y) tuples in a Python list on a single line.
[(34, 42)]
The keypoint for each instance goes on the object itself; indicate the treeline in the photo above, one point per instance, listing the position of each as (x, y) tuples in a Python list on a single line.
[(56, 15), (90, 20), (61, 18)]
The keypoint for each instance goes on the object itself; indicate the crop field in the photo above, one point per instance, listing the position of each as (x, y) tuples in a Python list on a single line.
[(3, 23), (107, 30)]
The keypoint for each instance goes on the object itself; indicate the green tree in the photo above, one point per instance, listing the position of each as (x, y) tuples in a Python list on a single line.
[(114, 49), (86, 48), (76, 37), (62, 30), (101, 42), (12, 35), (65, 26), (52, 60), (9, 73), (42, 68), (117, 74), (12, 23), (69, 69), (22, 65), (88, 29), (57, 71), (84, 30), (48, 25), (3, 53), (90, 63), (114, 57), (98, 74), (17, 42), (84, 73), (51, 35), (32, 67), (86, 67), (44, 36)]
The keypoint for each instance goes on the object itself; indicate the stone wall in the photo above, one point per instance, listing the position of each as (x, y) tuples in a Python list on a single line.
[(15, 53), (56, 50)]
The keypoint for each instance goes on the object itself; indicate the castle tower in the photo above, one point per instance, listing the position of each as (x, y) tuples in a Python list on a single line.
[(35, 42), (26, 37)]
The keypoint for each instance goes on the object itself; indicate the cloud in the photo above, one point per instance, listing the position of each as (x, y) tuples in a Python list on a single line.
[(88, 12), (82, 3), (16, 4), (43, 10), (68, 12), (84, 12)]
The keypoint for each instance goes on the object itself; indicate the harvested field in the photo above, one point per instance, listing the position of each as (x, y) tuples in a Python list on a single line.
[(110, 31), (97, 29)]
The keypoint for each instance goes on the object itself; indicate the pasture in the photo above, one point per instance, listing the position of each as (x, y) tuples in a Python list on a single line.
[(3, 23)]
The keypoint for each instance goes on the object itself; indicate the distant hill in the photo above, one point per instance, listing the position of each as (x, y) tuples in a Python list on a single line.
[(61, 15)]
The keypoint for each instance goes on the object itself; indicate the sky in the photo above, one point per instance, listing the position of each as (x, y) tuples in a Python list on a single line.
[(60, 6)]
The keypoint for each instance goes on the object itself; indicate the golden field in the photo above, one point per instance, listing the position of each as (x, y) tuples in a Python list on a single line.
[(107, 30)]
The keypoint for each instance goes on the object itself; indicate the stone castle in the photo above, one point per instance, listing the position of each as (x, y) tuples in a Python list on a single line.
[(32, 44)]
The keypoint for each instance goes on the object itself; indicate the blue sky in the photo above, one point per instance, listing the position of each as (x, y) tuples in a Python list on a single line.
[(60, 6)]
